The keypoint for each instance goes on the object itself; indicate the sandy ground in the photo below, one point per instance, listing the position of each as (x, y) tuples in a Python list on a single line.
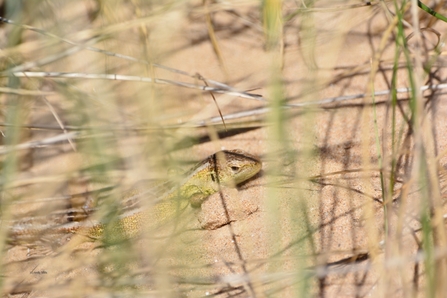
[(275, 226)]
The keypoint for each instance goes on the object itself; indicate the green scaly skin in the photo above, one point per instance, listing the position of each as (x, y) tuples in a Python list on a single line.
[(225, 168)]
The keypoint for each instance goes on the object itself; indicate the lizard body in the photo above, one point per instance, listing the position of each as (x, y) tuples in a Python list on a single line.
[(224, 168)]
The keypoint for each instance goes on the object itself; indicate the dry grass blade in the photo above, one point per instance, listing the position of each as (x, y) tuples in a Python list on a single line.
[(103, 115)]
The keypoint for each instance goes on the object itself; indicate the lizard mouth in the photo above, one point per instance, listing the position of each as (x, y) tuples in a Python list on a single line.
[(247, 172)]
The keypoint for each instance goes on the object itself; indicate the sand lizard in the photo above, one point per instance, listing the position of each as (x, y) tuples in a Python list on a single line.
[(224, 168)]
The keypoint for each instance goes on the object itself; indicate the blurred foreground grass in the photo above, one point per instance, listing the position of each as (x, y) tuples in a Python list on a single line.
[(99, 96)]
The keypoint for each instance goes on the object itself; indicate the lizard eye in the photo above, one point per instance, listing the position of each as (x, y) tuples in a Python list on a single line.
[(235, 168)]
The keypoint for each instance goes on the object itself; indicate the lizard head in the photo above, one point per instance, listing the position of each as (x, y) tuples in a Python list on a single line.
[(236, 166)]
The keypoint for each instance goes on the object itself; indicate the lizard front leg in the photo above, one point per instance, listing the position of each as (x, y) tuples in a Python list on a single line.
[(197, 195)]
